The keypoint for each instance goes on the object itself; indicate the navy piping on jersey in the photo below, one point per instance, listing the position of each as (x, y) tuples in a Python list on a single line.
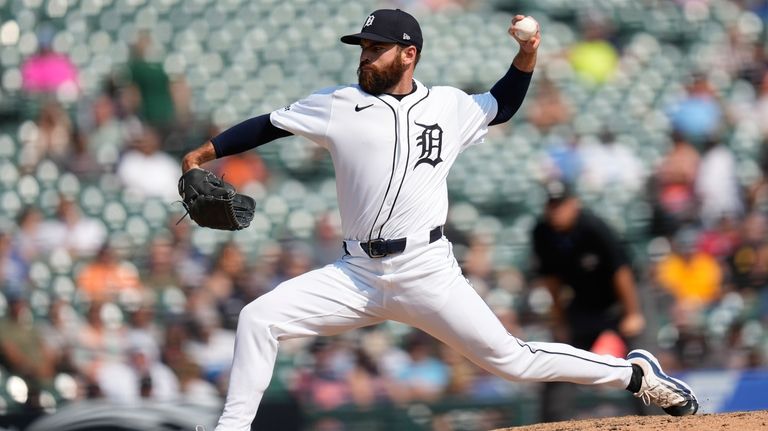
[(407, 159), (534, 351), (392, 175)]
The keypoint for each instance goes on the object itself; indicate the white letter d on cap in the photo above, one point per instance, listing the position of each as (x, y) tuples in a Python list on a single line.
[(369, 21)]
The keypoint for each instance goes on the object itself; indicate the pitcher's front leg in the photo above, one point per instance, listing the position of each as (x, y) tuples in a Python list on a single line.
[(325, 301)]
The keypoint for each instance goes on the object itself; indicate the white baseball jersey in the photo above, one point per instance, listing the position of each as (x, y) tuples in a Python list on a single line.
[(391, 157)]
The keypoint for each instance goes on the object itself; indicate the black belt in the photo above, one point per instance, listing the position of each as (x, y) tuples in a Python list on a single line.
[(383, 247)]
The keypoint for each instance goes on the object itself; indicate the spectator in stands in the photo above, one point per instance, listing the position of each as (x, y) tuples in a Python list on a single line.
[(151, 84), (549, 107), (608, 163), (578, 256), (80, 161), (59, 333), (367, 384), (23, 351), (107, 129), (211, 346), (486, 386), (757, 193), (156, 381), (175, 338), (227, 288), (698, 116), (391, 359), (140, 377), (142, 333), (194, 389), (149, 171), (760, 106), (97, 344), (227, 270), (717, 187), (323, 385), (28, 240), (721, 239), (425, 377), (48, 71), (461, 373), (192, 384), (564, 159), (190, 262), (748, 264), (295, 259), (82, 236), (594, 59), (243, 169), (673, 186), (13, 267), (106, 276), (161, 266), (52, 140), (747, 59), (693, 278)]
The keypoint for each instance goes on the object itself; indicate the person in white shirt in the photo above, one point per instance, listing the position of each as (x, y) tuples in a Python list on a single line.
[(147, 170)]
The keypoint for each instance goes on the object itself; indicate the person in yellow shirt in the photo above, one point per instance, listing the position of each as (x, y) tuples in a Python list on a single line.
[(693, 277), (594, 59)]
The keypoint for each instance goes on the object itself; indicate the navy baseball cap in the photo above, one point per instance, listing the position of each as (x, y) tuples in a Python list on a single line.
[(388, 25)]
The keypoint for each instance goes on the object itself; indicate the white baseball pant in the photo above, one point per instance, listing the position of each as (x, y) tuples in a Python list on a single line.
[(422, 287)]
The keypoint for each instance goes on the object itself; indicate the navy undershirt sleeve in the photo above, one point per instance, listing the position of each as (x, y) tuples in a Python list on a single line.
[(249, 134), (509, 93)]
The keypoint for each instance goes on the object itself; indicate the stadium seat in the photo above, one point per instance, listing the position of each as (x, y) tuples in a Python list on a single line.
[(139, 231), (114, 215), (69, 185), (92, 200), (11, 203), (28, 189), (63, 287)]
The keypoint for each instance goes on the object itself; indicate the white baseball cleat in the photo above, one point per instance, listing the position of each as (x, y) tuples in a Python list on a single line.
[(669, 393)]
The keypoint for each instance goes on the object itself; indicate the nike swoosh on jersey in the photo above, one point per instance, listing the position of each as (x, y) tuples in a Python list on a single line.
[(358, 108)]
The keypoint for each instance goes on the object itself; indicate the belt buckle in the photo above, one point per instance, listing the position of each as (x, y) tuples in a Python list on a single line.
[(377, 248)]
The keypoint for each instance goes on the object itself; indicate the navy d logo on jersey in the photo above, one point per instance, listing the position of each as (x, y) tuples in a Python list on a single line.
[(431, 143)]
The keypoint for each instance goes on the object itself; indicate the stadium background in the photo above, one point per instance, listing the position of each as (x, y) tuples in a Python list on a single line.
[(656, 110)]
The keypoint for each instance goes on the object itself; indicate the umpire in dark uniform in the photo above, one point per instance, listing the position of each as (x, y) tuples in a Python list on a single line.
[(586, 269)]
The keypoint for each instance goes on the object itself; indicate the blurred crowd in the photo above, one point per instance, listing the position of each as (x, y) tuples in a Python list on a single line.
[(158, 322)]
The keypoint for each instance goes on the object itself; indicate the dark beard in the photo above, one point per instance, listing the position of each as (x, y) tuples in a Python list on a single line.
[(376, 81)]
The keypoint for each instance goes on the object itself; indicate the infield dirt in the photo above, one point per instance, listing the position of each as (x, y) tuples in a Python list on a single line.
[(741, 421)]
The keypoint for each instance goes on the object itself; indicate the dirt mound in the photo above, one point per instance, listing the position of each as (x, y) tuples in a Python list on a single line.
[(741, 421)]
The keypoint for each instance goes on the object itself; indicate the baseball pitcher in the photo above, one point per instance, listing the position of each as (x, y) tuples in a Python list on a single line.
[(393, 141)]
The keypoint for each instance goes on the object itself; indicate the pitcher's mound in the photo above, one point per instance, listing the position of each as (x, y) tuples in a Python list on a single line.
[(740, 421)]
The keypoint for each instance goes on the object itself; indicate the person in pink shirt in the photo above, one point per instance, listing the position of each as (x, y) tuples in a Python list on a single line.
[(47, 70)]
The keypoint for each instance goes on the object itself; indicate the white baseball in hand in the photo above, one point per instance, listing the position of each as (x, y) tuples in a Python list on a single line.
[(526, 28)]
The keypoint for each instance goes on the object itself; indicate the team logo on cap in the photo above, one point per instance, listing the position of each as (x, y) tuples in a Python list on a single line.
[(369, 21), (406, 37), (431, 143)]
